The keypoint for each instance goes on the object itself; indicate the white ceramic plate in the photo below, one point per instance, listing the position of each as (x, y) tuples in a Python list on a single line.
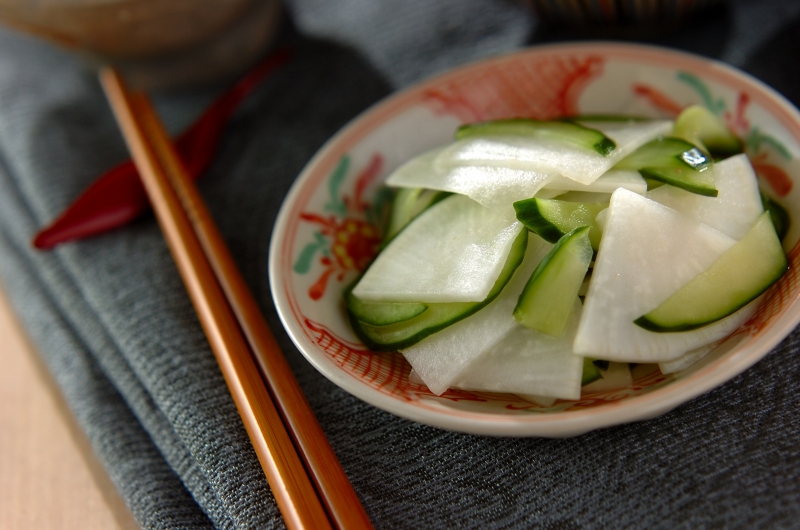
[(327, 228)]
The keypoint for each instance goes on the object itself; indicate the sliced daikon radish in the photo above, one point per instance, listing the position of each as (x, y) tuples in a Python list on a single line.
[(550, 155), (492, 186), (561, 130), (542, 401), (608, 182), (733, 211), (414, 378), (528, 362), (687, 359), (441, 358), (647, 253), (407, 204), (544, 193), (452, 252)]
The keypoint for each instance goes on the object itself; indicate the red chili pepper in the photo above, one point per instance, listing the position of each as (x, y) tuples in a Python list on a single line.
[(118, 197)]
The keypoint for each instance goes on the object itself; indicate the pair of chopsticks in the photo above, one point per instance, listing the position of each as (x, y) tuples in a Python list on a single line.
[(305, 476)]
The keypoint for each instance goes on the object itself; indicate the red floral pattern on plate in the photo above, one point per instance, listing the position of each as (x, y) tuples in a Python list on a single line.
[(505, 90)]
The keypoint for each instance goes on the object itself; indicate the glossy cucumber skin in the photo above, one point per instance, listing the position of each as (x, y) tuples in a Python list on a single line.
[(563, 130), (673, 161), (780, 217), (407, 204), (590, 371), (722, 290), (552, 219), (437, 316), (548, 298), (687, 179), (381, 313)]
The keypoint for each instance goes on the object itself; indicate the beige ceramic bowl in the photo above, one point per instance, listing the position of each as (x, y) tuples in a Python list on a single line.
[(325, 231), (156, 42)]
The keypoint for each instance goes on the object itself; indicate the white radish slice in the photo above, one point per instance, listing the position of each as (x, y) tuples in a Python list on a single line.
[(686, 360), (648, 252), (733, 211), (528, 362), (414, 378), (492, 186), (440, 359), (544, 193), (542, 401), (608, 182), (552, 156), (452, 252)]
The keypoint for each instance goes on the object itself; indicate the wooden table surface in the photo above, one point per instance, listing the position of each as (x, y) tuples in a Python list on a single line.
[(49, 477)]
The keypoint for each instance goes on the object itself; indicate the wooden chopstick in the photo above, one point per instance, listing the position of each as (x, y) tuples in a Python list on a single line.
[(310, 496)]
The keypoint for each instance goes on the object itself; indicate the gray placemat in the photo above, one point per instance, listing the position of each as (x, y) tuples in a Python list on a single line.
[(114, 325)]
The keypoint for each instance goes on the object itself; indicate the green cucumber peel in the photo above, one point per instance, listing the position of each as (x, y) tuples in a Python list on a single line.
[(552, 219), (666, 152), (699, 182), (591, 372), (546, 303), (673, 161), (407, 204), (381, 313), (562, 130), (780, 217)]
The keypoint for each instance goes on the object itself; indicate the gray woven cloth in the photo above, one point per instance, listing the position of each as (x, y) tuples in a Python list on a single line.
[(114, 325)]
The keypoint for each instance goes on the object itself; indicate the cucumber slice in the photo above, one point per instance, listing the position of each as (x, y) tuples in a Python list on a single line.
[(527, 362), (562, 131), (698, 125), (673, 161), (442, 357), (409, 203), (453, 252), (668, 152), (553, 219), (590, 371), (548, 156), (780, 217), (548, 298), (740, 275), (648, 252), (699, 182), (436, 317), (382, 313)]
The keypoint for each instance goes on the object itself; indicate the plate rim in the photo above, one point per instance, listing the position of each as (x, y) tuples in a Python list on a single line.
[(551, 424)]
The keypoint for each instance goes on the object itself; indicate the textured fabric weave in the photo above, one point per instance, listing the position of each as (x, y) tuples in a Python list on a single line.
[(114, 325)]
